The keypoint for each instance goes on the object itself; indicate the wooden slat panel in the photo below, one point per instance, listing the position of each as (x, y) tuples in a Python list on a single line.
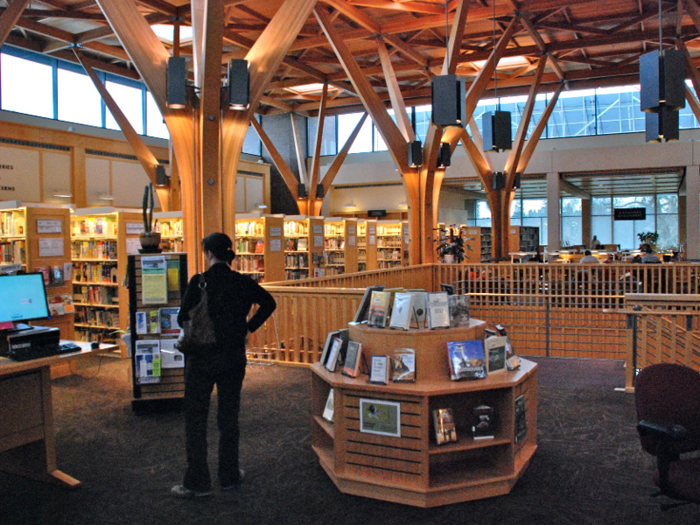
[(413, 456)]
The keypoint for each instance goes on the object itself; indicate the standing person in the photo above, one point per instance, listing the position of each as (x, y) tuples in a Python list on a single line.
[(231, 296), (595, 243)]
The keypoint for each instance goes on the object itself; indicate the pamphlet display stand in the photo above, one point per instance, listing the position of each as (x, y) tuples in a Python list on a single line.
[(166, 381), (411, 468)]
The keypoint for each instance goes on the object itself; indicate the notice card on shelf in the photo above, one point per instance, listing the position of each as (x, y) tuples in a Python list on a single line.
[(51, 247), (133, 245), (147, 361), (154, 280)]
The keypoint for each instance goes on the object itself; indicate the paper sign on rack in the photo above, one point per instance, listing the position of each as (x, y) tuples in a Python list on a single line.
[(154, 280)]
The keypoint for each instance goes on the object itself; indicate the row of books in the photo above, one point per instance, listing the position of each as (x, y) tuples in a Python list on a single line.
[(292, 275), (170, 229), (250, 246), (297, 260), (250, 264), (476, 359), (383, 242), (334, 244), (334, 228), (295, 228), (106, 249), (249, 228), (95, 272), (94, 226), (12, 223), (294, 245), (481, 421), (96, 294), (96, 317), (14, 252), (400, 309), (334, 257)]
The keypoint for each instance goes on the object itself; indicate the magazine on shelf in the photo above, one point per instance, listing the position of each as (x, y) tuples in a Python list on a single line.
[(467, 359), (444, 424), (403, 365), (483, 423), (353, 357), (147, 361), (512, 360), (402, 311), (420, 299), (438, 310), (379, 369), (495, 350), (332, 361), (168, 321), (329, 410), (378, 309), (520, 419), (459, 310), (327, 346)]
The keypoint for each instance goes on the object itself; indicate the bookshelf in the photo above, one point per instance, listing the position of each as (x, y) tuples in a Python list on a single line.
[(524, 239), (167, 384), (258, 246), (477, 244), (340, 246), (169, 224), (366, 244), (412, 469), (405, 239), (36, 238), (303, 245), (390, 244), (101, 240)]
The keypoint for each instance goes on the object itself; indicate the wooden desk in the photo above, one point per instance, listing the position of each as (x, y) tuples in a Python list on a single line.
[(27, 445)]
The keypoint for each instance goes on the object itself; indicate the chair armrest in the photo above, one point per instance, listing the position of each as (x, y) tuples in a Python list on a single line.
[(664, 431)]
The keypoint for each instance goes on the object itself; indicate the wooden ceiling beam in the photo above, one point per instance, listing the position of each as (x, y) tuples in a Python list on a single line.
[(390, 132), (299, 150), (343, 153), (354, 14), (397, 102), (316, 160), (409, 52), (161, 6), (412, 7), (529, 149), (106, 31), (287, 174), (10, 17)]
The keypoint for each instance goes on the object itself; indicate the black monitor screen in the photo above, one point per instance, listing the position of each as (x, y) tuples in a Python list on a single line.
[(23, 297)]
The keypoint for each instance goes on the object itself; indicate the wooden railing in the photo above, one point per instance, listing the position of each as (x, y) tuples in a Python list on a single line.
[(661, 328), (564, 310)]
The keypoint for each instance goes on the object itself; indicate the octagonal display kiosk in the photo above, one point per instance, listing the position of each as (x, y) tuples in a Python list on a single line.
[(412, 469)]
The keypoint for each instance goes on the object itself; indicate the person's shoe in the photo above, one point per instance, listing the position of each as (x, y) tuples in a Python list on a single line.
[(241, 477), (180, 491)]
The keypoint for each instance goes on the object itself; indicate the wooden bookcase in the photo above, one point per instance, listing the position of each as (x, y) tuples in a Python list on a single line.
[(303, 245), (340, 246), (258, 245), (169, 224), (36, 237), (390, 244), (412, 469), (477, 244), (171, 386), (366, 245), (524, 239), (101, 240)]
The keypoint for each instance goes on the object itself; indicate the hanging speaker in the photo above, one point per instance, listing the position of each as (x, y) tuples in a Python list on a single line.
[(319, 190), (301, 191), (662, 80), (448, 93), (238, 84), (662, 125), (444, 155), (499, 180), (497, 131), (161, 177), (415, 154), (176, 82), (517, 181)]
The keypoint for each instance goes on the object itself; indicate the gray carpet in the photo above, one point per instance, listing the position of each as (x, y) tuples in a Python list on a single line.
[(589, 468)]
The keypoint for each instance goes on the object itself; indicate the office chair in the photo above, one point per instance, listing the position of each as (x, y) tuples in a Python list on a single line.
[(667, 397)]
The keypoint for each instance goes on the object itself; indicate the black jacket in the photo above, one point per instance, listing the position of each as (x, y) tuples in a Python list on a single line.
[(231, 296)]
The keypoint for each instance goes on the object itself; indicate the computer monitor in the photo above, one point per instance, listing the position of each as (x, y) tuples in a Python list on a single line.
[(23, 298)]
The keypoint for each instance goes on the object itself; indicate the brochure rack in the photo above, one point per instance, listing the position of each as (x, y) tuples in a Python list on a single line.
[(165, 384), (412, 469)]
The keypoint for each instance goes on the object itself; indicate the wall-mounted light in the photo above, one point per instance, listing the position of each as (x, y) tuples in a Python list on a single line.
[(319, 191), (176, 82), (105, 197), (403, 205), (262, 206), (517, 181), (238, 84), (499, 180), (301, 191), (349, 206)]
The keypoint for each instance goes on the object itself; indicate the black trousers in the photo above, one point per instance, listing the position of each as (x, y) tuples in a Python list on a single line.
[(226, 371)]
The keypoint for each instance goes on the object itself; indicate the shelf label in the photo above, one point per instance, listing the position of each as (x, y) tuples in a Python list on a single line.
[(472, 232), (318, 228), (49, 226), (51, 247), (275, 231), (275, 245), (372, 240), (134, 228), (372, 230), (351, 240), (133, 245), (351, 230), (318, 241)]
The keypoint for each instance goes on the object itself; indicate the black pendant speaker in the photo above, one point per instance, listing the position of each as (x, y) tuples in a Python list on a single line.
[(498, 135), (662, 80), (662, 125), (448, 93), (415, 154)]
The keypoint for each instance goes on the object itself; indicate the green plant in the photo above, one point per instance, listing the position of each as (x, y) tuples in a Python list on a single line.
[(648, 237), (148, 208)]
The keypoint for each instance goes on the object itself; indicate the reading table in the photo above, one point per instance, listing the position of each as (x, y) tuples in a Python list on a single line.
[(27, 445)]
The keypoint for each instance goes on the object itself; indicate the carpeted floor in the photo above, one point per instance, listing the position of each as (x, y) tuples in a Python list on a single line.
[(589, 468)]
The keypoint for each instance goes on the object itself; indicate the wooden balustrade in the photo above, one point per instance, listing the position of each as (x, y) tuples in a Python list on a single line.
[(661, 328), (565, 310)]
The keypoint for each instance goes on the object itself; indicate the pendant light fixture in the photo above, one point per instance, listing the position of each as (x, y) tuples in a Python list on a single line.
[(448, 93), (662, 89), (496, 125)]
